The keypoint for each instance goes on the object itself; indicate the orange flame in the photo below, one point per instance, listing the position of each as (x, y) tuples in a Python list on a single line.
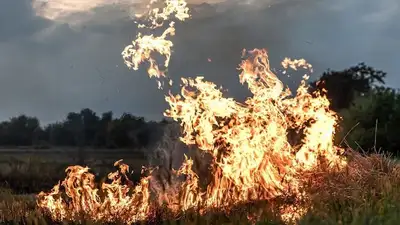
[(110, 202), (260, 149)]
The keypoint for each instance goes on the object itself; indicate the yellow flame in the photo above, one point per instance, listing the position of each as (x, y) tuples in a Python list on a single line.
[(144, 46), (260, 149)]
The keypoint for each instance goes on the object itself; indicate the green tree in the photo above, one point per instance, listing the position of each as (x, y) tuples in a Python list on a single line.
[(373, 121)]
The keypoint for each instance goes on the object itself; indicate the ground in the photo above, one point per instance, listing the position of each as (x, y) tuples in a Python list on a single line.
[(30, 171)]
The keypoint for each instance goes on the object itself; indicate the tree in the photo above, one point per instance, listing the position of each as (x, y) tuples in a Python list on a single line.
[(81, 129), (125, 130), (90, 122), (74, 124), (343, 86), (103, 137), (19, 130), (373, 121)]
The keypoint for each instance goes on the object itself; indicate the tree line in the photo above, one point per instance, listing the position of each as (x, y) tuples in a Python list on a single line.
[(369, 111), (80, 129)]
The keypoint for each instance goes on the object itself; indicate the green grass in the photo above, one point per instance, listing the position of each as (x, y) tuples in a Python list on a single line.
[(367, 192)]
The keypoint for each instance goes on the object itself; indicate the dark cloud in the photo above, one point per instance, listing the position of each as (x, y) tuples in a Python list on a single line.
[(49, 68), (17, 20)]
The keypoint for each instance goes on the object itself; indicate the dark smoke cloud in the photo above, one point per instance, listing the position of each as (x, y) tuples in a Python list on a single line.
[(50, 67)]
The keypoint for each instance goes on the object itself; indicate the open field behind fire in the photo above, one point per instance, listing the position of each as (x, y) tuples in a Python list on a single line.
[(31, 170), (68, 154)]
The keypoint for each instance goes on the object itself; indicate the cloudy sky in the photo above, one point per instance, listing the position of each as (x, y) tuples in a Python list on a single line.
[(58, 56)]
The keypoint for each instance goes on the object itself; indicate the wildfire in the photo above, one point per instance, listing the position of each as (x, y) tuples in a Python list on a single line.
[(261, 149), (143, 47)]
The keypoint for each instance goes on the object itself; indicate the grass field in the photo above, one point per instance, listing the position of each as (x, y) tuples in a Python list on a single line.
[(30, 170), (367, 192)]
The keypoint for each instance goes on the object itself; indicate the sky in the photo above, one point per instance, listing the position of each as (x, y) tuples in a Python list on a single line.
[(65, 55)]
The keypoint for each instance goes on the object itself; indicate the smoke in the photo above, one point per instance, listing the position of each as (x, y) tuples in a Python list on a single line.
[(169, 155)]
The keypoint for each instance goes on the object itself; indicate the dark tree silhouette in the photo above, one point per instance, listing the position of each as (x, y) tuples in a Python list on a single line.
[(343, 86), (18, 130), (81, 129)]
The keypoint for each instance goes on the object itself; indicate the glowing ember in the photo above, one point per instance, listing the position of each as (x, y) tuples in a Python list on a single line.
[(255, 153)]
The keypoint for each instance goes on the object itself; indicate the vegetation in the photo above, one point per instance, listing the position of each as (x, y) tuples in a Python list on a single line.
[(370, 112), (84, 128), (366, 193), (375, 118), (355, 81)]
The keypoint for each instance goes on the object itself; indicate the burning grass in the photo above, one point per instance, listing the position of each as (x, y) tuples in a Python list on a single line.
[(366, 192), (255, 170)]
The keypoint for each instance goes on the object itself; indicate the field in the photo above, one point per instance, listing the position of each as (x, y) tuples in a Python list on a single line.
[(31, 170), (368, 192), (25, 172)]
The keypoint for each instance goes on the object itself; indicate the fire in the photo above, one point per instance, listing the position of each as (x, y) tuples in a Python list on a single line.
[(109, 202), (253, 158), (144, 46), (261, 149)]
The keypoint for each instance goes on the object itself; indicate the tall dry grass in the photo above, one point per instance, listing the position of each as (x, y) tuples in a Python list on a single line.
[(366, 192)]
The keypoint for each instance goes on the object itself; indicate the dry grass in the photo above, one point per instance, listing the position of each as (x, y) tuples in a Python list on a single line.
[(17, 208), (366, 192)]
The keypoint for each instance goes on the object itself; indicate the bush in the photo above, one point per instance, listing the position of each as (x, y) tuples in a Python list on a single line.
[(372, 122)]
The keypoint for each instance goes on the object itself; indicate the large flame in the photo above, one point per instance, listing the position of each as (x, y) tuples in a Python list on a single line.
[(261, 149)]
